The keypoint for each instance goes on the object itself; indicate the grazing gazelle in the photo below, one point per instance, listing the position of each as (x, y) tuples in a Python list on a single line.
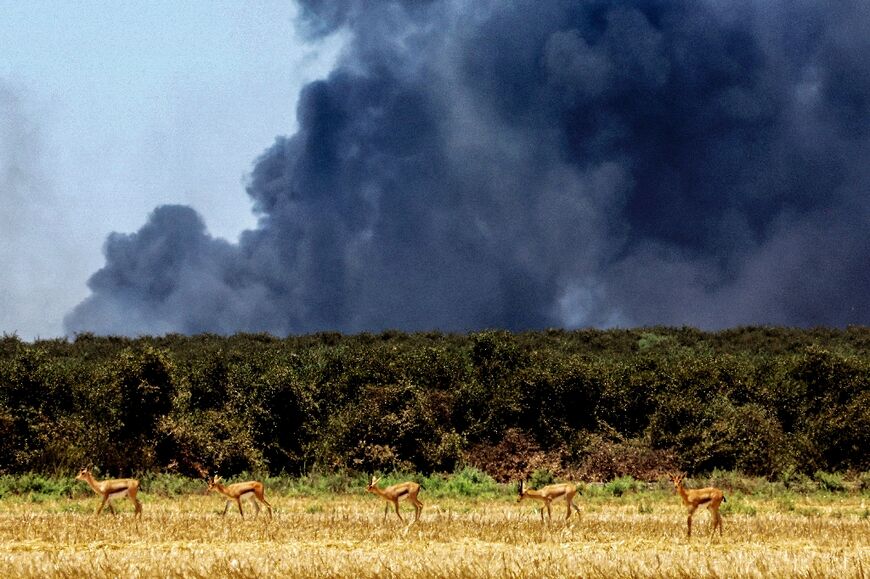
[(696, 497), (252, 490), (550, 493), (112, 489), (393, 493)]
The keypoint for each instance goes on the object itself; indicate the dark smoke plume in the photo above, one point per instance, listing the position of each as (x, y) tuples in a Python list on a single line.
[(539, 163)]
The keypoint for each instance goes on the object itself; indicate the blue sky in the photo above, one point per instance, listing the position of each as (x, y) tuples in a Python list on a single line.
[(109, 109)]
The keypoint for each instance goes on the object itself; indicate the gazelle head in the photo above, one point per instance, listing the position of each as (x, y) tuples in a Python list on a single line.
[(83, 474), (212, 483), (521, 488), (677, 479), (373, 484)]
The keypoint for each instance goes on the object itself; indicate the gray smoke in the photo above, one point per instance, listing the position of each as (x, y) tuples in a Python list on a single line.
[(33, 264), (541, 163)]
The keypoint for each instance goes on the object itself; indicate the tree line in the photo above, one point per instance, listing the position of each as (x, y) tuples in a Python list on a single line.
[(592, 404)]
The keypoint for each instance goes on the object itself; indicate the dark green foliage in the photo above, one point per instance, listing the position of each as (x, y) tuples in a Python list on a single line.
[(778, 402), (541, 478), (831, 482)]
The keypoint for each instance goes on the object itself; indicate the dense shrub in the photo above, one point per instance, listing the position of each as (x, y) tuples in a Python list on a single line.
[(589, 404)]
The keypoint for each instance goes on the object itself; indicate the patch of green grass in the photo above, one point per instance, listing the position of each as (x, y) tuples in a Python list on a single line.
[(809, 511), (645, 508), (467, 483), (737, 505), (314, 508), (785, 504), (318, 484), (171, 485)]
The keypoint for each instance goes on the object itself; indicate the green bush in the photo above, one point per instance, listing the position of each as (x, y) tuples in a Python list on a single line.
[(39, 485), (171, 485), (801, 483), (735, 505), (831, 482), (471, 482), (541, 478), (622, 485), (772, 402)]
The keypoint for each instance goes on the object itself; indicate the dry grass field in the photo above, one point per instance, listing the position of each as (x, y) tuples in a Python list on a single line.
[(618, 537)]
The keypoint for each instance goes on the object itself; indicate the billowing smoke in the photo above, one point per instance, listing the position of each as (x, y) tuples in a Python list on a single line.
[(474, 164)]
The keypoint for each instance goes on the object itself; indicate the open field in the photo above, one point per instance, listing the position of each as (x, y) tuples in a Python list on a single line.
[(639, 535)]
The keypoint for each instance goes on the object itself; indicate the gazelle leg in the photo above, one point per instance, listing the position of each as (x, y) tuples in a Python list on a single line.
[(268, 506), (549, 512), (689, 521), (102, 504), (418, 508), (111, 508), (575, 507), (717, 521), (136, 504), (239, 504), (256, 507), (398, 514), (386, 510)]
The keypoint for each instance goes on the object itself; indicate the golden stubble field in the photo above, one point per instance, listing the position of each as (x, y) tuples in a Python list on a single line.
[(347, 537)]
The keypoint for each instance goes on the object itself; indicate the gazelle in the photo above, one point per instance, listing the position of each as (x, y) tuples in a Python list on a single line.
[(112, 489), (694, 498), (550, 493), (252, 490), (393, 493)]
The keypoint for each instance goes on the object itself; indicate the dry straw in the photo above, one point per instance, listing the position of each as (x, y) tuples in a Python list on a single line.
[(349, 538)]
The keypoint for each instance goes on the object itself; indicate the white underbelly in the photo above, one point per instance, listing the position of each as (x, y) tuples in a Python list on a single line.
[(248, 495), (119, 494)]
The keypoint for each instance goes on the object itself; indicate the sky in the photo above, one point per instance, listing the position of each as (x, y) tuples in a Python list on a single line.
[(421, 165), (110, 109)]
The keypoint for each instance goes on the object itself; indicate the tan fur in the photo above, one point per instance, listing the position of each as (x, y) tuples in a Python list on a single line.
[(393, 493), (118, 487), (550, 493), (693, 498), (236, 491)]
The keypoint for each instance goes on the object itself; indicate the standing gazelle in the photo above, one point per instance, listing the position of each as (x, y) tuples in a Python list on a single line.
[(393, 493), (252, 490), (694, 498), (112, 489), (550, 493)]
